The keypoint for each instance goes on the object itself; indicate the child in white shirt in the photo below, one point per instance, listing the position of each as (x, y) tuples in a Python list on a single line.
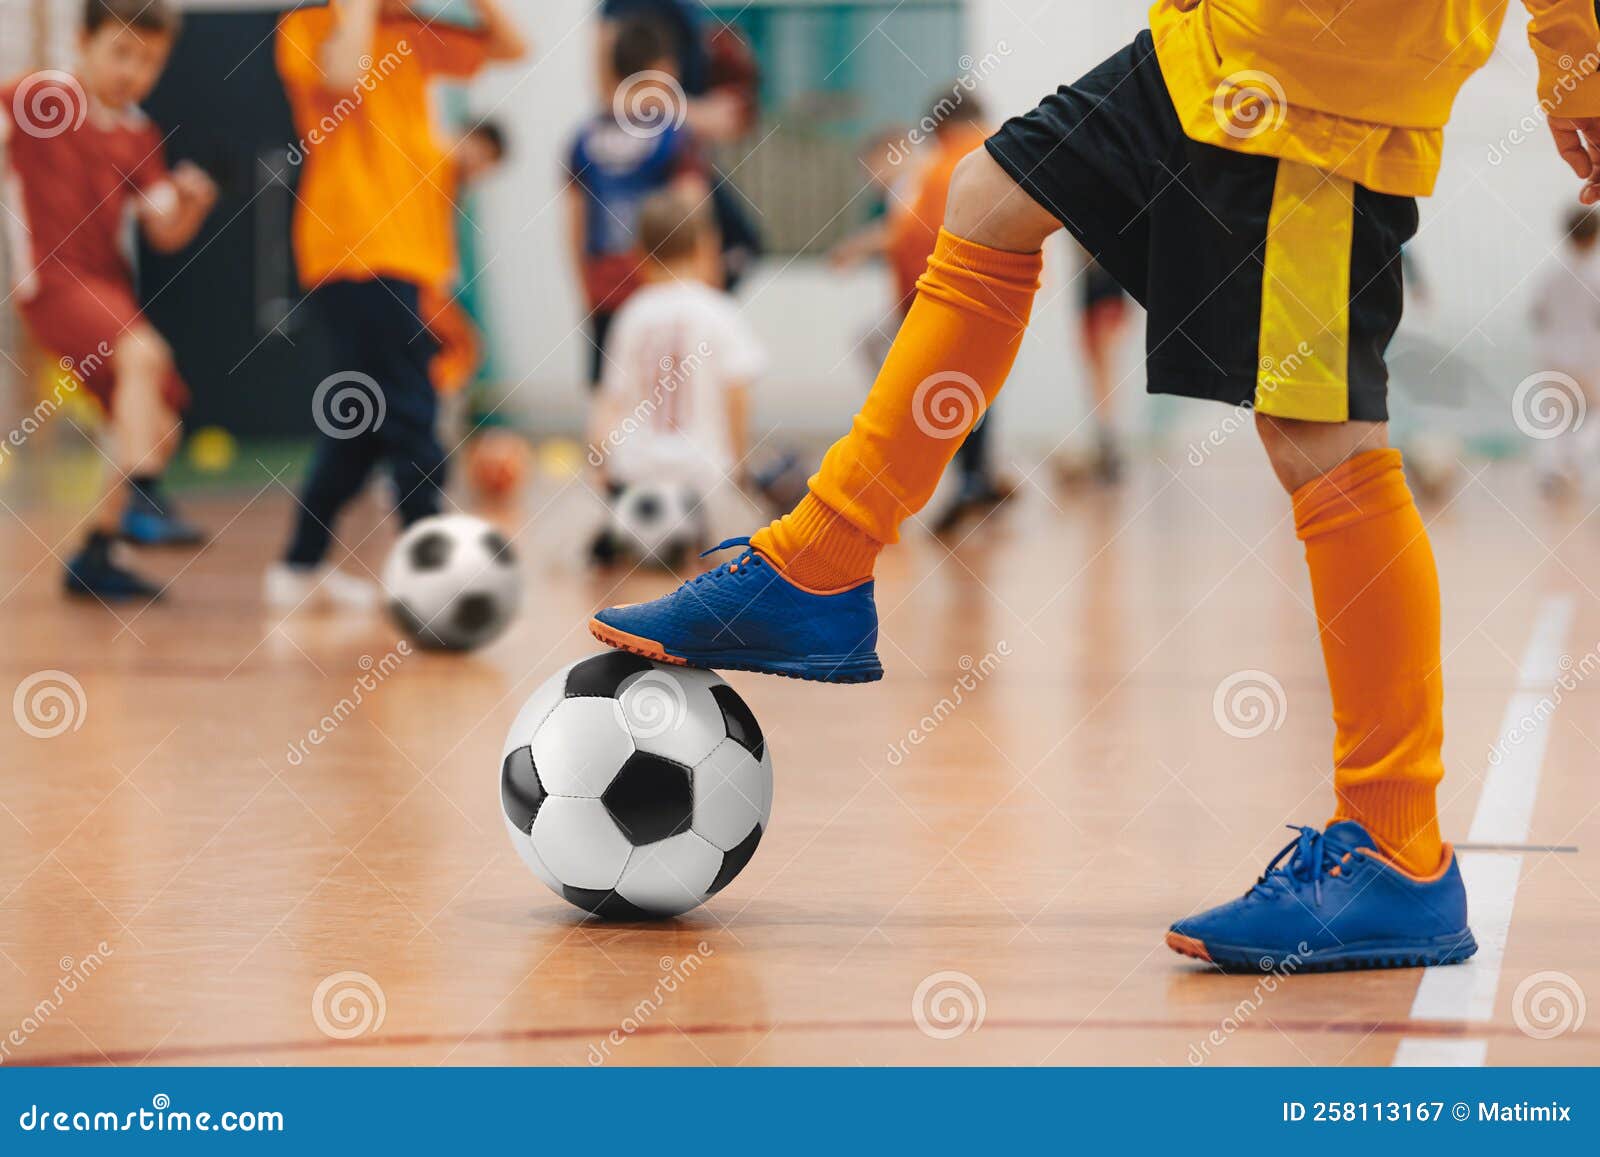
[(673, 404)]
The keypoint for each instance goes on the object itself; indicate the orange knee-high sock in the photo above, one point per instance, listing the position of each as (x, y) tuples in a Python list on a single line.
[(949, 360), (1377, 596)]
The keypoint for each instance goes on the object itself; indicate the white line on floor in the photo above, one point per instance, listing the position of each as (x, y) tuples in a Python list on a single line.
[(1504, 815), (1431, 1052)]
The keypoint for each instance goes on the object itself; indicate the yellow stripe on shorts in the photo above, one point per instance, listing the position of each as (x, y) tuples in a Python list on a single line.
[(1304, 350)]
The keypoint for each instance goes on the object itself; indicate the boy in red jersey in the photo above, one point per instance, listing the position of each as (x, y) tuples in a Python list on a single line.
[(80, 157)]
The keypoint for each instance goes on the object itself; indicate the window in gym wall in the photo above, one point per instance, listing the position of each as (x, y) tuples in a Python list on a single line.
[(830, 76)]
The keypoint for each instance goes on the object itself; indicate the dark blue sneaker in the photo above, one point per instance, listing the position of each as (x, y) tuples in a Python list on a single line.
[(92, 572), (745, 616), (1336, 903)]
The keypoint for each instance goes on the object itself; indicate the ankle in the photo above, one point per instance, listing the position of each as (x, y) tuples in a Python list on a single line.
[(1401, 817), (816, 547), (98, 544)]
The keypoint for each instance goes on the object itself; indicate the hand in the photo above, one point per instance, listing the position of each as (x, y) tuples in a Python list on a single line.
[(1578, 141), (194, 186)]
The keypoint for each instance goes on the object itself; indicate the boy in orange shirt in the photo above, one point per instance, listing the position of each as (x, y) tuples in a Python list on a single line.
[(81, 158), (1247, 170), (369, 237)]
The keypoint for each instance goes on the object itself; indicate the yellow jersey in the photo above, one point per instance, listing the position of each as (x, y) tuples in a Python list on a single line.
[(1361, 88)]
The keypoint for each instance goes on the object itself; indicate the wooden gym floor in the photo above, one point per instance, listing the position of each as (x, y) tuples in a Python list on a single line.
[(982, 885)]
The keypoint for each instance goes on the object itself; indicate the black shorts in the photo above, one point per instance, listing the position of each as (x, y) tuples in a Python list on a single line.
[(1268, 283)]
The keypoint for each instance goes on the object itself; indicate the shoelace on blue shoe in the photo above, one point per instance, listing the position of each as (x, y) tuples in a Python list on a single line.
[(1310, 858), (747, 558)]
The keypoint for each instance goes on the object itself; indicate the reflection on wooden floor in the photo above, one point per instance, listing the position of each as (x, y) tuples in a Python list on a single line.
[(987, 884)]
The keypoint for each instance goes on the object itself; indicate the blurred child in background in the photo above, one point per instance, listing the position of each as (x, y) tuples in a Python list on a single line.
[(958, 117), (476, 153), (638, 146), (673, 404), (1566, 323), (883, 158), (81, 158), (369, 239), (497, 457), (1104, 317), (717, 75)]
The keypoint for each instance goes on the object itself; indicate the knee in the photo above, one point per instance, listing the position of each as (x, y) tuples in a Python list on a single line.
[(141, 360), (1302, 452), (986, 206)]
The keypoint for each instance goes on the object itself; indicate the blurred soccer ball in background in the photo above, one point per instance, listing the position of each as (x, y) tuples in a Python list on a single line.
[(452, 582), (658, 521)]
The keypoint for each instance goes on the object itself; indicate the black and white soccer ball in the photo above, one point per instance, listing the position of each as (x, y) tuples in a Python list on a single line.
[(635, 789), (658, 521), (452, 582)]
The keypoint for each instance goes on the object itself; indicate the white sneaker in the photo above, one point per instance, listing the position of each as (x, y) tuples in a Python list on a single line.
[(286, 587)]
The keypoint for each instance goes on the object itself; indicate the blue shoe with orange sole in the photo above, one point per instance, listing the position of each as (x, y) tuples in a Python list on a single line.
[(1328, 901), (746, 616)]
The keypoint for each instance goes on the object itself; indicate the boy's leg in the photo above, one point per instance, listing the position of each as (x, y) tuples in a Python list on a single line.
[(144, 428), (947, 363), (1375, 887), (147, 428), (144, 432), (1376, 591), (972, 460), (409, 434), (597, 328), (340, 467), (800, 602)]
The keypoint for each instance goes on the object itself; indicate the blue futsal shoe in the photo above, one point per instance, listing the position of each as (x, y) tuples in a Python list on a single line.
[(1329, 900), (94, 573), (151, 520), (746, 616)]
